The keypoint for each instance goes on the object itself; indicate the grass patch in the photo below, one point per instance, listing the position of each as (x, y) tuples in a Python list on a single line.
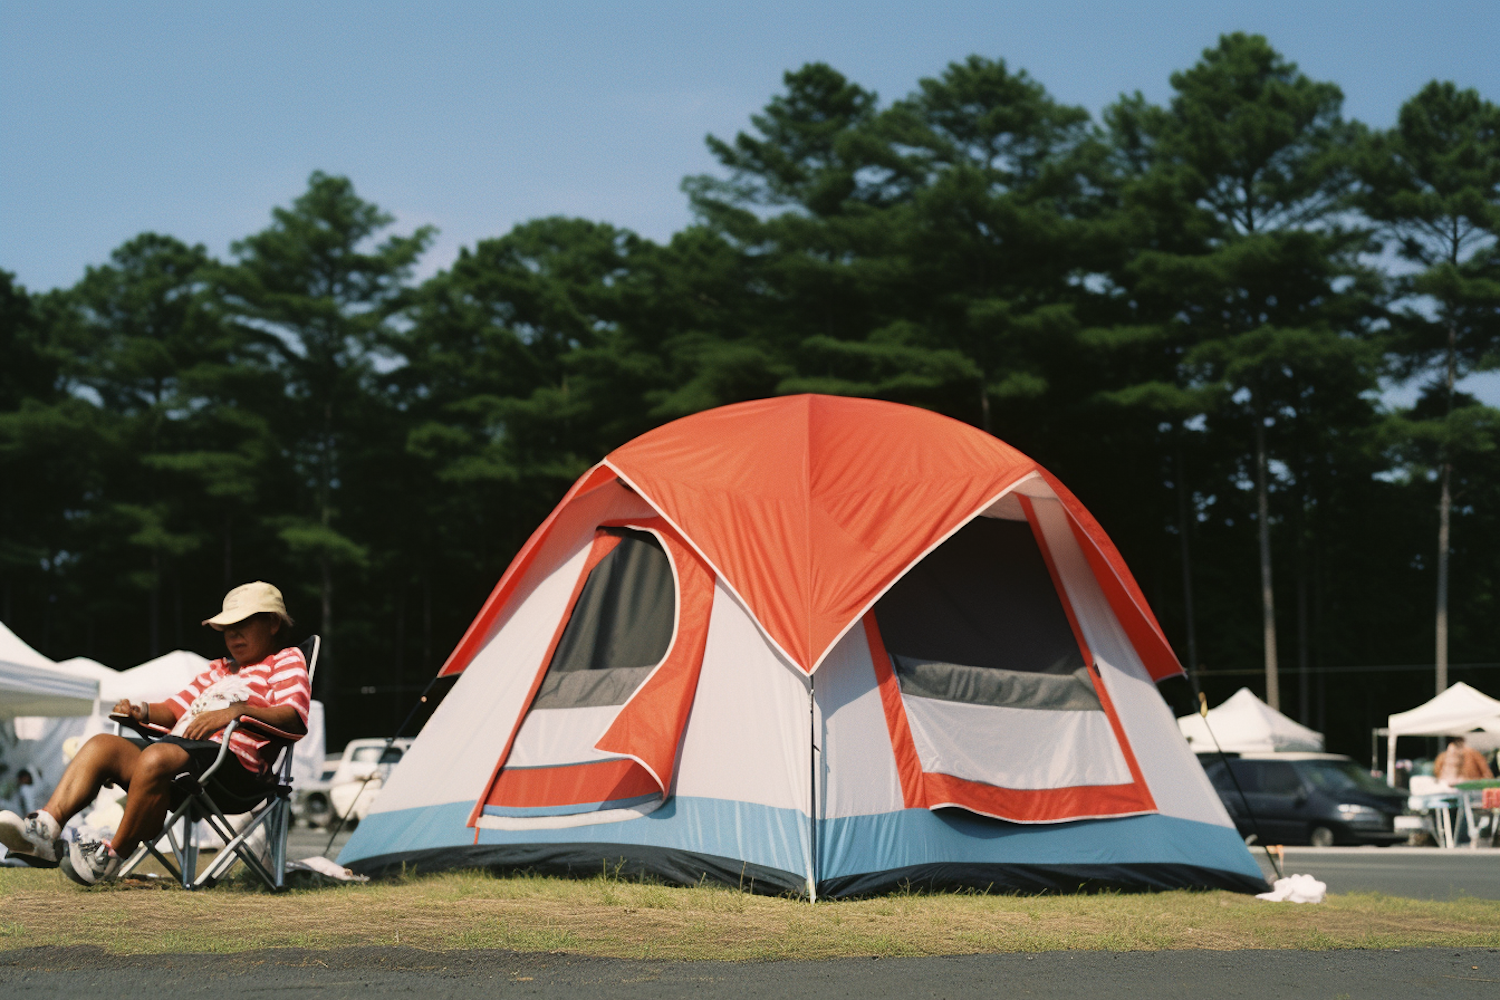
[(609, 916)]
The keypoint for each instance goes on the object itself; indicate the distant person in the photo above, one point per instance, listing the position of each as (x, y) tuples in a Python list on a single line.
[(263, 678), (1460, 762), (26, 791)]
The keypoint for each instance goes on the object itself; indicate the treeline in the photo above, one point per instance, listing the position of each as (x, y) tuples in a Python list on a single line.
[(1189, 312)]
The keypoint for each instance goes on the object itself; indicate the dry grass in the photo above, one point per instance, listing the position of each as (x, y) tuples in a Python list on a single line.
[(610, 917)]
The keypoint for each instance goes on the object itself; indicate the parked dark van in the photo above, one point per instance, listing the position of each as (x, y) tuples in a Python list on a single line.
[(1306, 798)]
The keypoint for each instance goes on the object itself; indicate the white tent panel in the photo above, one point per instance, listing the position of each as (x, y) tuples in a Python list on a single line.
[(464, 738), (32, 685), (155, 680), (1245, 724), (309, 751), (858, 772), (747, 737), (42, 691), (1015, 747), (13, 649), (551, 736), (1177, 782), (1458, 710)]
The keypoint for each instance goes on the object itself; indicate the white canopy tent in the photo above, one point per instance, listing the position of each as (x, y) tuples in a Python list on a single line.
[(31, 684), (1459, 711), (156, 680), (1245, 724)]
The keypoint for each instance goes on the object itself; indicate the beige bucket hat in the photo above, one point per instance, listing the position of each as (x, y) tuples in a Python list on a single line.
[(249, 599)]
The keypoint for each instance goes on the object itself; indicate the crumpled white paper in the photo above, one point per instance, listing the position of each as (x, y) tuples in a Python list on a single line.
[(1295, 889), (323, 866)]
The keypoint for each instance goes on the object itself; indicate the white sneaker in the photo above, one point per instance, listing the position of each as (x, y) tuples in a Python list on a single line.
[(36, 834), (89, 862)]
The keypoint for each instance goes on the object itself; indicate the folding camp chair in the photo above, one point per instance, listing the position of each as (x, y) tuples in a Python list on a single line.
[(205, 800)]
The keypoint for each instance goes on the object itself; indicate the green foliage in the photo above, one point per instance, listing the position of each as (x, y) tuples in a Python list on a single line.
[(1141, 302)]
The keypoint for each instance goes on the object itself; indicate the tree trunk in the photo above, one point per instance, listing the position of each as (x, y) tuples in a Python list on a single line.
[(984, 407), (398, 597), (1317, 639), (1304, 693), (1445, 513), (155, 604), (326, 668), (1304, 682), (177, 605), (228, 550), (1185, 548), (426, 626), (1445, 507), (1267, 597)]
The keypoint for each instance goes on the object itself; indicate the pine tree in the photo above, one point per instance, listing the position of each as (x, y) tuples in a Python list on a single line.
[(1433, 181), (317, 293)]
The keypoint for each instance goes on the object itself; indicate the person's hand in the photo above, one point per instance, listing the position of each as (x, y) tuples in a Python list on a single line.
[(205, 725), (126, 708)]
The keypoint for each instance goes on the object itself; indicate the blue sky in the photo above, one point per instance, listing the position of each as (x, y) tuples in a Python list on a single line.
[(195, 119)]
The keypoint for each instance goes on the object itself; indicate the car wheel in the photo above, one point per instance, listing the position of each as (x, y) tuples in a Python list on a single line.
[(1321, 836)]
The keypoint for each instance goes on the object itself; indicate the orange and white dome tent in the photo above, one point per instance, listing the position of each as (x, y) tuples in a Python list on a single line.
[(817, 644)]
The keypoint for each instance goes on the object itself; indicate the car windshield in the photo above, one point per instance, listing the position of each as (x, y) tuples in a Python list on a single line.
[(1342, 776), (370, 755)]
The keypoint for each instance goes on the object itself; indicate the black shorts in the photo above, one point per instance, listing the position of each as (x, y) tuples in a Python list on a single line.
[(231, 775)]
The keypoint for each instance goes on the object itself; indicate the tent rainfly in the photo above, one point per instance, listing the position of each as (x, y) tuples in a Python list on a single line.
[(32, 685), (1245, 724), (1459, 711), (813, 644)]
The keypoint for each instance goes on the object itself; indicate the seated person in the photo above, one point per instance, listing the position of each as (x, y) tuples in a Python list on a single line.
[(262, 678), (1460, 762)]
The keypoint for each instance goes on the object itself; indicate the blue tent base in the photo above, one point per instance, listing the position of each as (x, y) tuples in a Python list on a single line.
[(1003, 879), (677, 867), (624, 861)]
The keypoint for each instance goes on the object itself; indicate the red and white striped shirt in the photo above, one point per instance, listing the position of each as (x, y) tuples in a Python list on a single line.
[(279, 679)]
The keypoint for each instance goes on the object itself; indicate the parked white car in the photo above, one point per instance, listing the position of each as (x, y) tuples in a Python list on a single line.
[(361, 773), (310, 798)]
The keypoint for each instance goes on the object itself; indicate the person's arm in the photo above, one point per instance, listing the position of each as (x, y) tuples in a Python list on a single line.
[(283, 717), (1484, 767), (160, 713)]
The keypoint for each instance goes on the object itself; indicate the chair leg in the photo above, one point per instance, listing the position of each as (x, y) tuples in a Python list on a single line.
[(190, 851), (237, 848), (152, 847)]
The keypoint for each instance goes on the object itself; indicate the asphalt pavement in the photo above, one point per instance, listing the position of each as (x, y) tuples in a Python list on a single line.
[(1412, 872), (1411, 974), (304, 843)]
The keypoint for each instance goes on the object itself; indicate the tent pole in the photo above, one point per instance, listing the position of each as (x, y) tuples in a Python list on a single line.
[(1390, 759), (1254, 822), (812, 792)]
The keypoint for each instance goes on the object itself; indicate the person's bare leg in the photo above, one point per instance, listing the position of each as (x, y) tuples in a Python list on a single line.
[(103, 758), (148, 795)]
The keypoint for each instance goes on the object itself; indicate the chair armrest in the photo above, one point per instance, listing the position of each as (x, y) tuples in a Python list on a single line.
[(247, 722), (146, 729)]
